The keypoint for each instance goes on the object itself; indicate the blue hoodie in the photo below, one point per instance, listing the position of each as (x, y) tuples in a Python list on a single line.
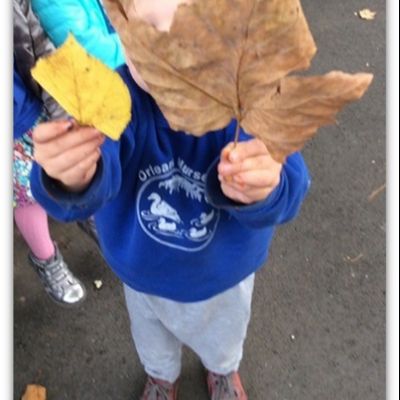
[(164, 225), (27, 107)]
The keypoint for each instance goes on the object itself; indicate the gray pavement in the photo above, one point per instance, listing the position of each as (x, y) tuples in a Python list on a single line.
[(318, 325)]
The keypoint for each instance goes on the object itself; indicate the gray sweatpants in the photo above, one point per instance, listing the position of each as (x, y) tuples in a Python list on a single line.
[(215, 329)]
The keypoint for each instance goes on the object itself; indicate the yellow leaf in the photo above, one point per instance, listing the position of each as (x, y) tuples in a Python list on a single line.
[(367, 14), (87, 89), (34, 392)]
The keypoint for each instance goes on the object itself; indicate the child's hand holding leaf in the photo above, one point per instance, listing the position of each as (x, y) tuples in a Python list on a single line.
[(95, 96), (68, 152), (247, 171)]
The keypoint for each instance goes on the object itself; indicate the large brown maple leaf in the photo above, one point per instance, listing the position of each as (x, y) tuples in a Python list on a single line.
[(225, 59)]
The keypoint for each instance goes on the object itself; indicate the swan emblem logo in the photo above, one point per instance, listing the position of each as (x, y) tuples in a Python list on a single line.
[(173, 210)]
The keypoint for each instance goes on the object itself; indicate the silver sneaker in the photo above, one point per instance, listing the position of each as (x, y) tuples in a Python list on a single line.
[(58, 280)]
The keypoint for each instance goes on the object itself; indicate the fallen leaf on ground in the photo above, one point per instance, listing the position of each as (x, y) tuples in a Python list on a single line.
[(230, 59), (92, 93), (376, 192), (98, 284), (354, 259), (367, 14), (34, 392)]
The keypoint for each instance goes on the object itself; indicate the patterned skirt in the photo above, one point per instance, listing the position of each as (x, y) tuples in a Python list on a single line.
[(22, 166)]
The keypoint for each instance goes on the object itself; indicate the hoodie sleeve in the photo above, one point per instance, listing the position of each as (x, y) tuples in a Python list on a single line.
[(88, 24), (282, 205), (105, 185), (26, 108)]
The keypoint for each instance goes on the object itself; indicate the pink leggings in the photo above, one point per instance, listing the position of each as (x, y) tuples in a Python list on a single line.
[(32, 222)]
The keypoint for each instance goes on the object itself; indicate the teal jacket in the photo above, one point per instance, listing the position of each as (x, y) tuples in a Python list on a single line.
[(87, 21)]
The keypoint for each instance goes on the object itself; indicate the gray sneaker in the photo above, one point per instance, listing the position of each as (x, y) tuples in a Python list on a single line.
[(157, 389), (225, 387), (58, 280)]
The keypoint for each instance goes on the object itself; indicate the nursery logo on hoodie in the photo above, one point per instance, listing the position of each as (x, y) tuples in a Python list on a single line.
[(172, 207)]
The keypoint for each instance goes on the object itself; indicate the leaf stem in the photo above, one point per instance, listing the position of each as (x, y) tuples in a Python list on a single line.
[(237, 132)]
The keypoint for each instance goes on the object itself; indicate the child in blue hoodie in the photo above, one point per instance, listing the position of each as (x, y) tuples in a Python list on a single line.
[(184, 222)]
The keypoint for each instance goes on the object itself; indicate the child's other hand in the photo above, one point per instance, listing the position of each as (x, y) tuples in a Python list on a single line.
[(67, 152), (247, 172)]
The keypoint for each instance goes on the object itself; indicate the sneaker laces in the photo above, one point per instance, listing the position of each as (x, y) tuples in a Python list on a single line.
[(223, 386), (59, 282), (58, 274), (155, 390)]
